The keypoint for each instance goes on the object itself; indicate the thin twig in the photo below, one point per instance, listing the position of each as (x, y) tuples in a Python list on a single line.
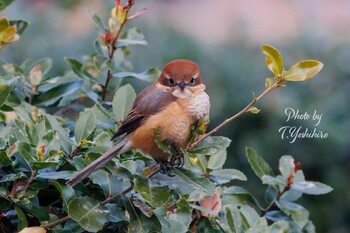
[(61, 220), (279, 195), (111, 50), (32, 177), (102, 203), (244, 110)]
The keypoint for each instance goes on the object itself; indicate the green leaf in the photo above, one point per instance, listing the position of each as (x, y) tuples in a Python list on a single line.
[(6, 87), (274, 181), (254, 110), (148, 75), (65, 175), (298, 213), (139, 222), (311, 187), (164, 145), (25, 150), (2, 143), (199, 183), (269, 82), (21, 25), (51, 122), (76, 66), (211, 146), (110, 183), (78, 69), (67, 193), (217, 160), (5, 3), (286, 165), (88, 212), (284, 227), (155, 196), (55, 94), (85, 125), (274, 59), (37, 211), (241, 192), (174, 221), (303, 70), (226, 175), (98, 21), (258, 164), (22, 220), (4, 159), (233, 219), (122, 101)]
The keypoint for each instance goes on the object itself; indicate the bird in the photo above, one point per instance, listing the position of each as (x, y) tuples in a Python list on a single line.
[(171, 104)]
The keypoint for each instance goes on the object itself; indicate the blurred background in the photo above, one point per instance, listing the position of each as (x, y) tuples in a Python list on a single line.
[(224, 37)]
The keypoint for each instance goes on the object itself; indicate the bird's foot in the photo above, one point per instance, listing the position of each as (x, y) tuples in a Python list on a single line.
[(176, 161)]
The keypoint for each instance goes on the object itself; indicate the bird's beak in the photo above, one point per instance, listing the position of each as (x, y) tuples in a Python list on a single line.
[(182, 85)]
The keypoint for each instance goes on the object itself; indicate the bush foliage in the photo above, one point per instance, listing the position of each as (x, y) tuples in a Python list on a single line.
[(51, 127)]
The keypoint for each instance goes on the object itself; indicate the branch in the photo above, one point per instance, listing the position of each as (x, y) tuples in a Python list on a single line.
[(104, 202), (32, 177), (244, 110), (279, 195), (111, 50)]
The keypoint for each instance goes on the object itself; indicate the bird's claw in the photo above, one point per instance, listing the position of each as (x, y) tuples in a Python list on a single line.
[(176, 161)]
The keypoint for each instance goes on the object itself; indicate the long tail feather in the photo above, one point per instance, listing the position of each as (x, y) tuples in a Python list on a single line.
[(119, 148)]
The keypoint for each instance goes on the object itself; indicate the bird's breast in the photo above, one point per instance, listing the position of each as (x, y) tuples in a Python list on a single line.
[(174, 123)]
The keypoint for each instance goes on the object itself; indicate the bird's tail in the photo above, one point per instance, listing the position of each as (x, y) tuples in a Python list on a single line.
[(121, 147)]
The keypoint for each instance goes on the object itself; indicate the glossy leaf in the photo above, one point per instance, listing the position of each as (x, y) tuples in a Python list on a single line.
[(241, 192), (298, 213), (148, 75), (154, 195), (311, 187), (88, 213), (6, 87), (303, 70), (254, 110), (258, 164), (274, 59), (122, 101), (98, 21), (22, 220), (4, 159), (226, 175), (286, 165), (233, 219), (211, 146), (110, 183), (284, 226), (21, 25), (67, 193), (54, 95), (85, 125), (200, 183)]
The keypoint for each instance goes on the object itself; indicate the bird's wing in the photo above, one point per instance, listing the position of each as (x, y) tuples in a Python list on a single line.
[(149, 102)]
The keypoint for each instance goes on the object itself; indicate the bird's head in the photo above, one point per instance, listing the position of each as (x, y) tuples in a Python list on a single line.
[(181, 78)]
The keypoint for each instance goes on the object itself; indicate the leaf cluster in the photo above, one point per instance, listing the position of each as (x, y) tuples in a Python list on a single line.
[(53, 126)]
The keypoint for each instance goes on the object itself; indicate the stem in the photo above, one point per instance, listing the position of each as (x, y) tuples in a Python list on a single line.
[(106, 201), (244, 110), (32, 177), (61, 220), (279, 195), (111, 50)]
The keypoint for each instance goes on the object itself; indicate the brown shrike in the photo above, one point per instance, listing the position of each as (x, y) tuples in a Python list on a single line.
[(171, 104)]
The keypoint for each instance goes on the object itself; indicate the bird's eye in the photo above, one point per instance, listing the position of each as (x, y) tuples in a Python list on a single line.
[(171, 82), (193, 81)]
